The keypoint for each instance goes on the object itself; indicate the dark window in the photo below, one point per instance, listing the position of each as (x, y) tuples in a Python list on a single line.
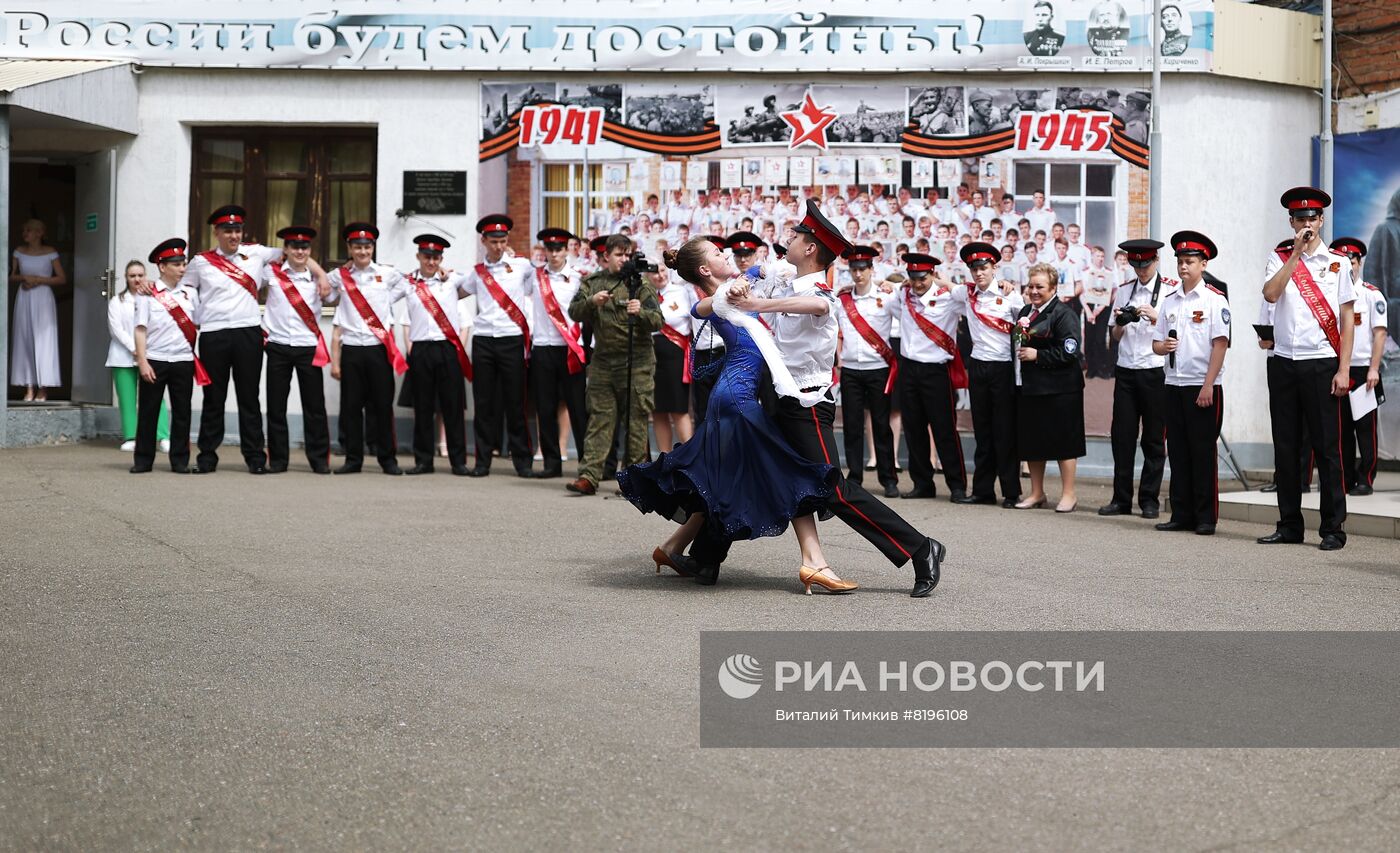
[(322, 177)]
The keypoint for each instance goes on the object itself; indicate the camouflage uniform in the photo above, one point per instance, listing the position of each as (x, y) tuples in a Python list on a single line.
[(607, 370)]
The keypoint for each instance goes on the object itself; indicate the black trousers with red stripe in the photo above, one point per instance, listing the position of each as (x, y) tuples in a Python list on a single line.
[(367, 397), (992, 386), (1137, 401), (498, 393), (1300, 392), (1192, 431), (282, 362), (927, 399), (1359, 435)]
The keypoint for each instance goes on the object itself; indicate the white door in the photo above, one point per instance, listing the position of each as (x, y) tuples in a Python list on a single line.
[(95, 277)]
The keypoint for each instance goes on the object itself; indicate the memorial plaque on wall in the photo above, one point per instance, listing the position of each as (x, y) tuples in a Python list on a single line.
[(435, 192)]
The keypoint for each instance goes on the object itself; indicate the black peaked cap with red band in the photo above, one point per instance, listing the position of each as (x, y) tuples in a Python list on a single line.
[(860, 257), (821, 229), (975, 254), (431, 244), (228, 216), (167, 251), (1141, 250), (1349, 246), (496, 223), (917, 265), (717, 240), (744, 241), (359, 232), (297, 234), (599, 243), (1305, 198), (555, 235), (1193, 243)]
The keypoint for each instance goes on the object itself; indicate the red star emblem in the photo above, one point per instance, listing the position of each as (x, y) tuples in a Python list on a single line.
[(809, 123)]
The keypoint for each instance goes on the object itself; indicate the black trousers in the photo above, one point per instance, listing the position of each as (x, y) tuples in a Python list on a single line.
[(239, 352), (1137, 403), (438, 386), (700, 387), (367, 395), (1191, 435), (927, 399), (177, 377), (992, 387), (551, 383), (282, 361), (864, 391), (1300, 392), (1359, 435), (498, 391), (810, 432)]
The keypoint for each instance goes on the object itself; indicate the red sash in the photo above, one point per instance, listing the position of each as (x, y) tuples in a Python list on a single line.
[(569, 332), (372, 320), (439, 316), (683, 342), (177, 313), (289, 290), (507, 304), (997, 323), (1312, 296), (232, 270), (871, 337), (957, 372)]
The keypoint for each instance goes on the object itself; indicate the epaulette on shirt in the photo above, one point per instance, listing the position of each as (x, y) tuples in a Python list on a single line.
[(1170, 282), (1340, 254), (1371, 286), (1213, 289)]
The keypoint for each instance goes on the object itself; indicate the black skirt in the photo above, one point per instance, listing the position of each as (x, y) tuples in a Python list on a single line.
[(1050, 426), (672, 394)]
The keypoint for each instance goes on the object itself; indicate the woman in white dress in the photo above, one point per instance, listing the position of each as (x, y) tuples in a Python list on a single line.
[(121, 357), (37, 270)]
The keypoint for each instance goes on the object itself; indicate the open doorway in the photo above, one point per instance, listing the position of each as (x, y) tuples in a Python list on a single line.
[(46, 191)]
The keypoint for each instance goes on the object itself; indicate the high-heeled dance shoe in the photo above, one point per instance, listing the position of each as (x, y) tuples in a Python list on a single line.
[(1027, 504), (809, 576), (1071, 508), (679, 563)]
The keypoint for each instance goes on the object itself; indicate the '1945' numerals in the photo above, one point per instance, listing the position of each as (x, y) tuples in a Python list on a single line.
[(1065, 129)]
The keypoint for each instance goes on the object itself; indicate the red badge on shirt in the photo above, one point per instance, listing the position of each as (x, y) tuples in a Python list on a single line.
[(879, 303), (1335, 267), (1198, 316)]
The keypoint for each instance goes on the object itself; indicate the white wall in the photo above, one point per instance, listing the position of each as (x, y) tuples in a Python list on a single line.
[(1231, 148), (426, 121)]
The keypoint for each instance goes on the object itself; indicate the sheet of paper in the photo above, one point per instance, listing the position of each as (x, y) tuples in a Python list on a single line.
[(1363, 402)]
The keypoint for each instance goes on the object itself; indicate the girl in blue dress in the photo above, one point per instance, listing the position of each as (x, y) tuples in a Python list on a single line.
[(736, 473)]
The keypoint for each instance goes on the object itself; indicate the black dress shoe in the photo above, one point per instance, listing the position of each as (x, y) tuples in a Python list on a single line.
[(547, 474), (920, 493), (1173, 526), (198, 470), (1150, 512), (928, 568), (320, 469), (179, 469), (276, 469), (139, 469), (957, 497), (461, 471), (1205, 530), (1332, 543), (1272, 487), (348, 468), (1361, 490), (257, 469), (1115, 509), (392, 469), (1277, 538), (891, 491), (1010, 503), (707, 575), (975, 499), (480, 471), (524, 472), (419, 469)]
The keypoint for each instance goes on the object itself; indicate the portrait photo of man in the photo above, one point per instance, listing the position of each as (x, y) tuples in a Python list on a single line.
[(1176, 32), (1042, 35)]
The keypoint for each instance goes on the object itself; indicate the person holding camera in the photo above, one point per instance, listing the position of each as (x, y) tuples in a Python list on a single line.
[(1138, 382), (623, 311)]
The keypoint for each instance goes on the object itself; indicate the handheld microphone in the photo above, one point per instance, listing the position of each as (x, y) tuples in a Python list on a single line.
[(1171, 356)]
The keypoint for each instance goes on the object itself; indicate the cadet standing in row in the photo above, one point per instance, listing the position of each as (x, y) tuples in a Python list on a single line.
[(868, 369), (437, 358), (603, 301), (557, 358), (1359, 434)]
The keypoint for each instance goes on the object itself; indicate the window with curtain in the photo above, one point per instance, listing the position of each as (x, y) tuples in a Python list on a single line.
[(322, 177), (1079, 192), (562, 196)]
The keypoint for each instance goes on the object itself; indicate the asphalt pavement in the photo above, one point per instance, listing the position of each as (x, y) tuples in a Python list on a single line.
[(365, 662)]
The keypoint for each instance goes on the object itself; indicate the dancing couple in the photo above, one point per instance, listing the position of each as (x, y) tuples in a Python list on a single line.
[(750, 470)]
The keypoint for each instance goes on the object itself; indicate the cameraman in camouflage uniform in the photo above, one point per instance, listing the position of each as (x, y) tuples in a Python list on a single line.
[(602, 302)]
